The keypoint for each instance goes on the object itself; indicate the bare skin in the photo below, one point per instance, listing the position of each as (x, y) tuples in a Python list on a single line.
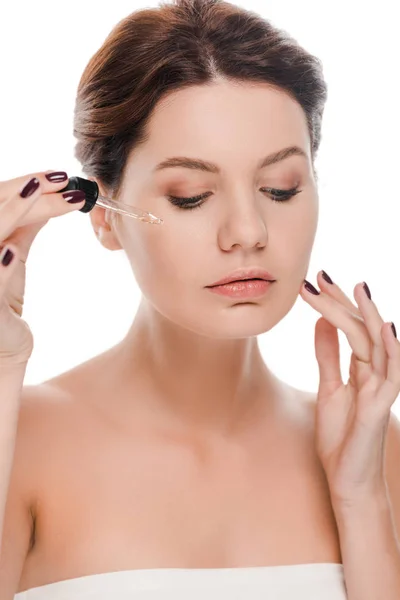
[(115, 496), (179, 447)]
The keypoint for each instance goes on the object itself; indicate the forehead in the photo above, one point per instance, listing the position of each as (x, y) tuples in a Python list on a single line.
[(231, 124), (231, 110)]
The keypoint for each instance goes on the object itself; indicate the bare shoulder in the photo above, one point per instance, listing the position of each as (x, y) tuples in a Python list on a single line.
[(41, 404), (18, 535), (27, 438), (48, 417), (47, 424), (37, 401), (392, 464), (393, 441), (42, 407)]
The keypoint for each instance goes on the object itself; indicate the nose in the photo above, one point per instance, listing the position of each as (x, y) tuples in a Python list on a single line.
[(243, 225)]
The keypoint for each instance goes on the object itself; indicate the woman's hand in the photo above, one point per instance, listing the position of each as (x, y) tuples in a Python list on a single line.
[(21, 218), (352, 419)]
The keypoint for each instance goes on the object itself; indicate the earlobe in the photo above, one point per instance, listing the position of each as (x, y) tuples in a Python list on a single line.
[(102, 225), (107, 238), (100, 233)]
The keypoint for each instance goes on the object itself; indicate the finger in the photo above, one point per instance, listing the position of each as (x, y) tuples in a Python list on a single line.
[(390, 389), (339, 316), (47, 202), (367, 310), (23, 238), (8, 265), (333, 290), (15, 206), (374, 323), (327, 352), (10, 186), (15, 286)]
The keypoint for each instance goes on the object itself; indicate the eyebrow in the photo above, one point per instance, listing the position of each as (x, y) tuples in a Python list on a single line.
[(202, 165)]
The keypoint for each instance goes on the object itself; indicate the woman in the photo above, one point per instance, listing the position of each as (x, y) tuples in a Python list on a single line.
[(176, 464)]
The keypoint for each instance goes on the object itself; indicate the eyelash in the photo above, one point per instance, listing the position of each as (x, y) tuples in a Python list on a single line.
[(278, 196)]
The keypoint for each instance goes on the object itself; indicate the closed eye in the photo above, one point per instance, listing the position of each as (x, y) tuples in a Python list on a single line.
[(197, 201)]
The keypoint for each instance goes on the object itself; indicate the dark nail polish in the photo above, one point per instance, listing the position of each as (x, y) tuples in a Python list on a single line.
[(7, 258), (394, 330), (309, 287), (326, 277), (367, 291), (56, 176), (30, 188), (74, 196)]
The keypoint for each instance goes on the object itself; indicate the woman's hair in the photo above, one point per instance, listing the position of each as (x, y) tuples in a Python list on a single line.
[(153, 52)]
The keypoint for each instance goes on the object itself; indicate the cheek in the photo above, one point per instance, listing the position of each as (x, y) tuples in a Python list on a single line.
[(295, 236), (162, 260)]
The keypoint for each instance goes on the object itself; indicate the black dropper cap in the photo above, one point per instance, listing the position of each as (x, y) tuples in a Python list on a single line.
[(90, 188)]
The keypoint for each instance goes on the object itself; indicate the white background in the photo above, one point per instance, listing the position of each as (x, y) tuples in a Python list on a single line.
[(81, 298)]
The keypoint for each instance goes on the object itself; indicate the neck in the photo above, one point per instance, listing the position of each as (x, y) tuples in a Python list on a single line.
[(192, 381)]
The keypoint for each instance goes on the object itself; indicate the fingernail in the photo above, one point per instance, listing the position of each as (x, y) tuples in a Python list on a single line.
[(310, 288), (7, 257), (326, 277), (394, 330), (74, 196), (30, 188), (367, 291), (57, 176)]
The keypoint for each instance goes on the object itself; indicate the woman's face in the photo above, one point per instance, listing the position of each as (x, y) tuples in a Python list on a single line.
[(238, 225)]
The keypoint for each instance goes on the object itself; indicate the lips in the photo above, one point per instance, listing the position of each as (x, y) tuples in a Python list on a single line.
[(245, 274), (243, 289)]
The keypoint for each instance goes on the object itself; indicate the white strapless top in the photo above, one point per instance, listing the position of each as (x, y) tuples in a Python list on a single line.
[(319, 581)]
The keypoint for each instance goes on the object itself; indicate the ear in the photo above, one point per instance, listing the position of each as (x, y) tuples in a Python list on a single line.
[(101, 223)]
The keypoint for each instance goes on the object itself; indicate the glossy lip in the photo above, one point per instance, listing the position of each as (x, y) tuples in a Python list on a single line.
[(251, 288), (241, 274)]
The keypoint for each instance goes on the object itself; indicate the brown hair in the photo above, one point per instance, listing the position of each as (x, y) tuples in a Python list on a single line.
[(188, 42)]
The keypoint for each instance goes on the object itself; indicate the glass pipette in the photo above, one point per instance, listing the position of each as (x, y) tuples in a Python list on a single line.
[(93, 197)]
